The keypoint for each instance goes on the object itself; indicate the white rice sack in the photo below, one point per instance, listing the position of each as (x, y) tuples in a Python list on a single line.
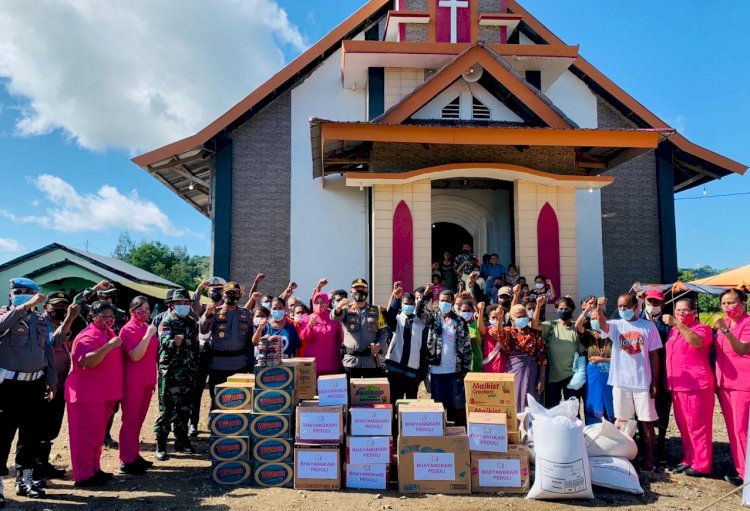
[(615, 473), (562, 464), (605, 439)]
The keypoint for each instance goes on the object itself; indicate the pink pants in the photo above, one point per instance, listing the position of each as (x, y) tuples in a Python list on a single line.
[(735, 405), (694, 413), (87, 423), (135, 405)]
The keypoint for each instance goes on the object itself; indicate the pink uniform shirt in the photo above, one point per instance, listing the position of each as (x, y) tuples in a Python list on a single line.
[(499, 364), (100, 383), (143, 372), (732, 370), (689, 368)]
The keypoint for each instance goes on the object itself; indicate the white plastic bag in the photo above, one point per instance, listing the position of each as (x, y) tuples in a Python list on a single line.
[(562, 464), (615, 473), (627, 426), (533, 409), (579, 373), (604, 439)]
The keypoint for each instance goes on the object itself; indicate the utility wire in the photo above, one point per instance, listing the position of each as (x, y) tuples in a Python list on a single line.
[(713, 196)]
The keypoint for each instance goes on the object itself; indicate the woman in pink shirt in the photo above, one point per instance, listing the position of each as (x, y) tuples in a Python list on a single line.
[(92, 389), (322, 337), (732, 370), (495, 357), (141, 348), (691, 380)]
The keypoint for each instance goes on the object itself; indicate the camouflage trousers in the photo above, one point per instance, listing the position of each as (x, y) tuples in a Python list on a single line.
[(175, 405)]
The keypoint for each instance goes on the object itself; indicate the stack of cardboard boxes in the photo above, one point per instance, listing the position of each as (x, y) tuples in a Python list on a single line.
[(369, 446), (498, 462), (229, 423)]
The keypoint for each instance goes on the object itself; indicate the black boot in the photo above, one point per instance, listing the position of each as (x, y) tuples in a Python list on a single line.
[(183, 445), (161, 447)]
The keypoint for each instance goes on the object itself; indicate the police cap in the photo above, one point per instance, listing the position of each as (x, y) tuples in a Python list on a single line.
[(56, 297), (232, 286), (360, 283), (23, 283), (216, 282)]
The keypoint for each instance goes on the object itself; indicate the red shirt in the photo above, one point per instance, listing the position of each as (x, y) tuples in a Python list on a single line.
[(732, 370), (143, 372), (689, 368), (100, 383), (499, 364)]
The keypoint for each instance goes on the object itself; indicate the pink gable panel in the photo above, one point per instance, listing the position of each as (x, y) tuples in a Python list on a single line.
[(548, 246), (403, 246), (444, 20)]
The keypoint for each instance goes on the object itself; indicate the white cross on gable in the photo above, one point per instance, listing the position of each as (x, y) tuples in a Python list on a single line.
[(454, 6)]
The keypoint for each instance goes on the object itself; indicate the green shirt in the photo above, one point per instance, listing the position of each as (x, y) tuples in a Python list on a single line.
[(562, 343), (477, 354)]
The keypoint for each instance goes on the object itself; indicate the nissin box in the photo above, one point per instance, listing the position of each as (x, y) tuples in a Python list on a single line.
[(274, 401), (280, 377), (230, 448), (263, 425), (269, 450), (231, 472), (273, 475), (234, 396), (229, 422)]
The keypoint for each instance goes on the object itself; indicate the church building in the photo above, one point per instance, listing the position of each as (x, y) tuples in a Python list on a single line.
[(418, 125)]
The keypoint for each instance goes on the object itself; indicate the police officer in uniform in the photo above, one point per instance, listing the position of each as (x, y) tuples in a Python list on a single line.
[(365, 332), (178, 361), (228, 328), (27, 378)]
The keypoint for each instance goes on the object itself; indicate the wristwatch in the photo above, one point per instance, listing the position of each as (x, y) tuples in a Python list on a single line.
[(725, 331)]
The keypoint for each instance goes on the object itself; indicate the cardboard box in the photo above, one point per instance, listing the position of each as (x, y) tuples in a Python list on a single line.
[(231, 472), (272, 450), (281, 377), (506, 472), (371, 420), (435, 464), (229, 422), (367, 391), (279, 402), (230, 448), (317, 467), (234, 396), (273, 475), (320, 424), (333, 390), (509, 410), (267, 425), (242, 378), (421, 420), (488, 432), (367, 477), (368, 450), (490, 388), (307, 376)]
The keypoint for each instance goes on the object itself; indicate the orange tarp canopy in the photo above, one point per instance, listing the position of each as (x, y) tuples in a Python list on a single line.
[(739, 277)]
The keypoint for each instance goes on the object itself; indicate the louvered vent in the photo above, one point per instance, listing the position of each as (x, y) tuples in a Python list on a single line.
[(479, 110), (452, 109)]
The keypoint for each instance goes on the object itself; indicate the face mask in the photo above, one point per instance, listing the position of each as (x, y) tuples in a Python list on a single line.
[(686, 318), (407, 309), (57, 314), (320, 308), (266, 305), (539, 285), (467, 252), (595, 325), (300, 318), (521, 322), (653, 310), (140, 316), (493, 322), (627, 314), (257, 320), (19, 300), (565, 315), (360, 296), (468, 316), (277, 314), (215, 296), (505, 304), (530, 312), (232, 300), (105, 323), (182, 310), (445, 307), (734, 311)]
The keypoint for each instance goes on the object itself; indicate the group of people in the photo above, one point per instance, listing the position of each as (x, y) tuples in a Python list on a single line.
[(624, 369)]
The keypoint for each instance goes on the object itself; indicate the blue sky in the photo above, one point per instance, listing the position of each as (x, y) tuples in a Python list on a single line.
[(686, 66)]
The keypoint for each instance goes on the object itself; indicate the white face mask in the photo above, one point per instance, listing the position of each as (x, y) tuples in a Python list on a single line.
[(493, 322), (539, 285), (653, 310)]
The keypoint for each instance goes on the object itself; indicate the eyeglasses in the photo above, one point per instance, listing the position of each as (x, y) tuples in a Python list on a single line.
[(21, 291)]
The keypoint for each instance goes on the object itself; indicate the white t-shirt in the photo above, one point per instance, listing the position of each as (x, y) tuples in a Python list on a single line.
[(448, 355), (632, 343)]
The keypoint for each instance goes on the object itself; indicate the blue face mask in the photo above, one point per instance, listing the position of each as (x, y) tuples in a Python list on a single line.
[(19, 300), (468, 316), (595, 325), (182, 310), (445, 307), (407, 309), (277, 314), (521, 322), (266, 305), (627, 314)]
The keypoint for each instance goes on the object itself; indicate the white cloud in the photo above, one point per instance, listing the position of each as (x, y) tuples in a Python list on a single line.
[(9, 246), (136, 73), (70, 211)]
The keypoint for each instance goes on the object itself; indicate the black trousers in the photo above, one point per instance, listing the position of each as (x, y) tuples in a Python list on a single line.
[(217, 376), (200, 384), (402, 386), (51, 414), (361, 372), (554, 391), (20, 410)]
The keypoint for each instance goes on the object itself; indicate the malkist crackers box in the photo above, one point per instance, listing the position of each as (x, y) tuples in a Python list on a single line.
[(281, 377), (242, 378), (367, 476), (229, 422), (489, 389), (509, 410), (234, 396), (307, 375), (266, 425), (333, 390), (271, 450), (368, 450), (421, 420), (488, 432), (273, 475), (317, 467), (280, 402), (371, 420), (319, 424), (495, 472), (366, 391), (231, 472), (230, 448), (435, 464)]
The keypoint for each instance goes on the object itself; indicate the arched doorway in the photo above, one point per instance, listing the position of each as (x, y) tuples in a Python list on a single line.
[(448, 237)]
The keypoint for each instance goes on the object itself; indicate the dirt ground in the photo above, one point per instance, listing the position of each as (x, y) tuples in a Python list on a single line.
[(183, 482)]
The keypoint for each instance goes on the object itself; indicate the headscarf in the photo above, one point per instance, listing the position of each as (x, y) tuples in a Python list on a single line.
[(316, 308)]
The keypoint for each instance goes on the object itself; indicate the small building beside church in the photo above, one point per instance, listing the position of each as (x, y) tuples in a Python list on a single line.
[(418, 125)]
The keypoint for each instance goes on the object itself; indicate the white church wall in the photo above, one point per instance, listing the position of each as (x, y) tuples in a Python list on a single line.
[(328, 224), (589, 240), (575, 99)]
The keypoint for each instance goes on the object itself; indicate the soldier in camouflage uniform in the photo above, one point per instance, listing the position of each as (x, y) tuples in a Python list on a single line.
[(178, 367)]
